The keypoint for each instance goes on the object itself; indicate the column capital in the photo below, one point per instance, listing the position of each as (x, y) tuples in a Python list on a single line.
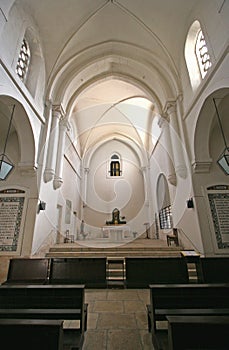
[(57, 182), (162, 121), (59, 110), (170, 107), (64, 124)]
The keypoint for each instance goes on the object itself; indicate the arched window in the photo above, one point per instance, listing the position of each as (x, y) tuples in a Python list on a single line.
[(202, 55), (23, 60), (115, 168), (196, 55), (163, 202)]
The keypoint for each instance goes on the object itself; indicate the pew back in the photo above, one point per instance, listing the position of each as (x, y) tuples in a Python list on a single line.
[(88, 271), (213, 270), (28, 270), (43, 301), (140, 272), (32, 334), (198, 332), (187, 299), (41, 296)]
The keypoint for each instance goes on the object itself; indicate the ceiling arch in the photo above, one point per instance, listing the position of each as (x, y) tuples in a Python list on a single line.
[(138, 151), (123, 60)]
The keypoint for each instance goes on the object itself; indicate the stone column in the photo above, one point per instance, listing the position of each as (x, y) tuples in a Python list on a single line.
[(148, 199), (176, 141), (171, 175), (57, 113), (58, 180), (146, 183), (84, 180)]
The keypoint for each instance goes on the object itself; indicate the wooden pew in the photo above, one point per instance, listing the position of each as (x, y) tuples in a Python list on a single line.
[(38, 334), (213, 270), (51, 302), (186, 299), (140, 272), (28, 270), (88, 271), (198, 332)]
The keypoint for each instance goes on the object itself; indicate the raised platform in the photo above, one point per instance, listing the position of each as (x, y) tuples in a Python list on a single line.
[(137, 247)]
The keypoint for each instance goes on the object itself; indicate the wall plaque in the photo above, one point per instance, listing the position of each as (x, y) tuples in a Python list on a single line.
[(219, 205), (11, 209)]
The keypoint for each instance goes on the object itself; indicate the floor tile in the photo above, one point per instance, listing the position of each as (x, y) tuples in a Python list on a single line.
[(122, 294), (95, 340), (116, 321), (124, 340), (108, 306), (92, 320), (131, 306)]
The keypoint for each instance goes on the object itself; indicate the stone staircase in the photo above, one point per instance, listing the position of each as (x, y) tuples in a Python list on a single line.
[(116, 272)]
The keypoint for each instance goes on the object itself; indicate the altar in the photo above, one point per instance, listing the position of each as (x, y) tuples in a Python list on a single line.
[(116, 233), (116, 229)]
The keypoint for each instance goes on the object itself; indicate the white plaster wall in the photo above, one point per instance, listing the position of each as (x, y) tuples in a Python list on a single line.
[(104, 193)]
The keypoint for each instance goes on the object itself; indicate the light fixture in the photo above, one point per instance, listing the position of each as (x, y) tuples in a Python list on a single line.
[(42, 206), (223, 160), (6, 165), (190, 203)]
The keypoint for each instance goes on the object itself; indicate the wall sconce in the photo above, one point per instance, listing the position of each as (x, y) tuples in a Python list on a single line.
[(6, 165), (41, 206), (190, 203), (223, 160)]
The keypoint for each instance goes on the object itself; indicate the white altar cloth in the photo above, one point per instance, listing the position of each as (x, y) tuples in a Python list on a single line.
[(116, 233)]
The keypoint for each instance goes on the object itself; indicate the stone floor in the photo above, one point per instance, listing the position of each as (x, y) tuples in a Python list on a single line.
[(117, 320)]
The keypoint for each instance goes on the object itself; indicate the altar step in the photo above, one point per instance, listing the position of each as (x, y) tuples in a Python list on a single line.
[(143, 248)]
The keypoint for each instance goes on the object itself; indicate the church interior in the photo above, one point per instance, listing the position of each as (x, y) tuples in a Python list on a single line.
[(114, 164)]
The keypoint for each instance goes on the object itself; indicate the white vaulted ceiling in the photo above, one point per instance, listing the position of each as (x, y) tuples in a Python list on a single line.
[(102, 52)]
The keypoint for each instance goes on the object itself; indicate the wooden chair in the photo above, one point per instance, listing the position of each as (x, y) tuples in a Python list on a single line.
[(173, 238)]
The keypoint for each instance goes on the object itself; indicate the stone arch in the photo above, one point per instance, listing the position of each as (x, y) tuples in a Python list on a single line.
[(22, 135), (140, 154), (122, 60), (205, 126)]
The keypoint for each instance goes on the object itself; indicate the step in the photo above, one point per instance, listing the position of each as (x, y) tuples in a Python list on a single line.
[(99, 254), (118, 278), (116, 284), (115, 268)]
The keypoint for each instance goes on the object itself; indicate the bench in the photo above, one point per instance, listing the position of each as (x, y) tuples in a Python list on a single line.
[(140, 272), (28, 270), (198, 332), (51, 302), (186, 299), (213, 270), (38, 334), (88, 271)]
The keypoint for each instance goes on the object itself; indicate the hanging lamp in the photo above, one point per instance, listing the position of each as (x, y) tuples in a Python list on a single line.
[(223, 160)]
